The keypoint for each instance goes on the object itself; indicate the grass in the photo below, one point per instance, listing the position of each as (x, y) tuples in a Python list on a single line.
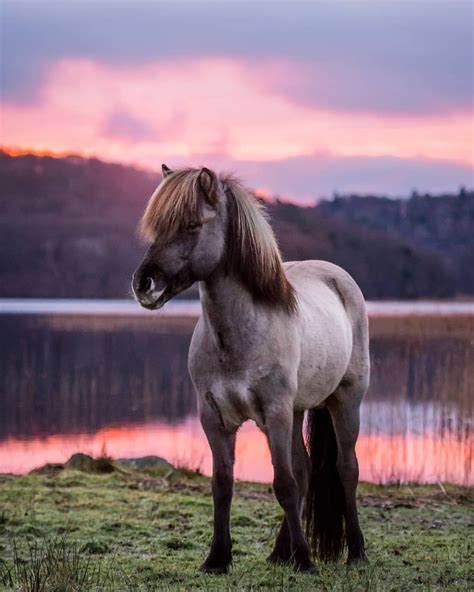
[(68, 530)]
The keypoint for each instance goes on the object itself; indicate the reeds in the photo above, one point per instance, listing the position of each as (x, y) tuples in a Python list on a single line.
[(53, 566)]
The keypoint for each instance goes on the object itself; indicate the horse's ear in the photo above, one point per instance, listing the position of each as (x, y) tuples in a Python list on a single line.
[(165, 171), (208, 183)]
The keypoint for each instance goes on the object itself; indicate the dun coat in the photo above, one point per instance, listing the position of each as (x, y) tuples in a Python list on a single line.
[(275, 340)]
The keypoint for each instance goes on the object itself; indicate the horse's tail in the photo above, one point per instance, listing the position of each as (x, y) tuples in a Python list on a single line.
[(325, 500)]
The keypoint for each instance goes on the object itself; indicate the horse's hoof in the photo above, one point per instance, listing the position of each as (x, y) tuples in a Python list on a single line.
[(307, 569), (211, 567), (359, 561), (278, 558)]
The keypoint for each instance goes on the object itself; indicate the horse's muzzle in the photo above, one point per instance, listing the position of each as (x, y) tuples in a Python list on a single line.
[(148, 293)]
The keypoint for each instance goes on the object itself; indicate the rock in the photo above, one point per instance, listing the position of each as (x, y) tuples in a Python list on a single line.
[(80, 462), (49, 469), (145, 462), (102, 464), (87, 464)]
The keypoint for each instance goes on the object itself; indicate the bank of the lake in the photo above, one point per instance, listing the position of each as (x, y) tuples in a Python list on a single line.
[(133, 529)]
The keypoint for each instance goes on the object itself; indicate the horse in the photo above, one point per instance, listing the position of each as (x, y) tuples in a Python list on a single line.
[(274, 341)]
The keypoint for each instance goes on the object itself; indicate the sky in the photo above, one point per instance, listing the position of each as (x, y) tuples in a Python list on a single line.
[(300, 99)]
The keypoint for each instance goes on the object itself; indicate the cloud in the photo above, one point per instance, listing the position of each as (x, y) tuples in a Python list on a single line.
[(397, 90), (134, 112), (124, 125), (305, 178), (388, 57)]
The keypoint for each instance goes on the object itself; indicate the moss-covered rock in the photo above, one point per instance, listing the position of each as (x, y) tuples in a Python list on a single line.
[(145, 462)]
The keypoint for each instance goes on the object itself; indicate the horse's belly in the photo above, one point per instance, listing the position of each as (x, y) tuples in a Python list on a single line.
[(316, 386), (324, 360)]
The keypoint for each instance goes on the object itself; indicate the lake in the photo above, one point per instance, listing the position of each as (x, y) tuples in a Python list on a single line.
[(108, 376)]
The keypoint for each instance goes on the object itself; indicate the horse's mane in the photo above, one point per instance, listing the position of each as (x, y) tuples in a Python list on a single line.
[(252, 252)]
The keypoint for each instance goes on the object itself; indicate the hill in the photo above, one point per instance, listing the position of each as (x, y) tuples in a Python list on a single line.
[(443, 224), (67, 229)]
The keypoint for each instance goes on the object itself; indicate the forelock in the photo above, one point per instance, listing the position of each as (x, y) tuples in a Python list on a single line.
[(174, 204)]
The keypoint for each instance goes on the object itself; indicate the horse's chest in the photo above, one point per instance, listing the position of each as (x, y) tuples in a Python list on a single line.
[(232, 393), (234, 404), (233, 381)]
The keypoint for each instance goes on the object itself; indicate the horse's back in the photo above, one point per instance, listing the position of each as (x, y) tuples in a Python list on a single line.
[(313, 279), (308, 276)]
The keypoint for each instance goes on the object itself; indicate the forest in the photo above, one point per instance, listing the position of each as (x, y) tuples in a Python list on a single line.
[(67, 230)]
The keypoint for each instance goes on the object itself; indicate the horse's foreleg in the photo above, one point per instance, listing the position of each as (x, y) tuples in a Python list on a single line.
[(279, 428), (222, 443), (344, 408), (300, 464)]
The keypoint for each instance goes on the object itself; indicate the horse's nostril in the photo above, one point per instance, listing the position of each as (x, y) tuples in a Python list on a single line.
[(148, 284)]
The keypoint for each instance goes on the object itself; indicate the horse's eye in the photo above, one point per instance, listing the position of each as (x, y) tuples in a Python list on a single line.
[(193, 226)]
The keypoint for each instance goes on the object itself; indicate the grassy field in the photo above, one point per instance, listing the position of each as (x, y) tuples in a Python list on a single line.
[(67, 530)]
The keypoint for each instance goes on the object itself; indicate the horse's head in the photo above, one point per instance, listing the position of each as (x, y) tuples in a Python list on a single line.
[(183, 225)]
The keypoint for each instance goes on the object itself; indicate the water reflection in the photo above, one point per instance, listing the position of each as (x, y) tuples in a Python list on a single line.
[(383, 458), (72, 383)]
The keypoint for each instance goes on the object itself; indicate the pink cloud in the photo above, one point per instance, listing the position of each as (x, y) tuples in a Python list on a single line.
[(184, 108)]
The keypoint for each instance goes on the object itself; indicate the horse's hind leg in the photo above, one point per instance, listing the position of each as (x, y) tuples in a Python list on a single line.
[(344, 407), (300, 464)]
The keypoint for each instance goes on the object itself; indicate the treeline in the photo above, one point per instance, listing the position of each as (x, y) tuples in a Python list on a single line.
[(67, 229)]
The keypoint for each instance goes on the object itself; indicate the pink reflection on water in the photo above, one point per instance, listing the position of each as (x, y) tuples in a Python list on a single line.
[(382, 458)]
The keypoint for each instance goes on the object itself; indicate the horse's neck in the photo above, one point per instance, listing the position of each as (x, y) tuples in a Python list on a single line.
[(228, 310)]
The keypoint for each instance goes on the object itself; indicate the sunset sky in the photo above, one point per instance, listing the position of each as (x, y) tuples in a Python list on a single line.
[(301, 99)]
